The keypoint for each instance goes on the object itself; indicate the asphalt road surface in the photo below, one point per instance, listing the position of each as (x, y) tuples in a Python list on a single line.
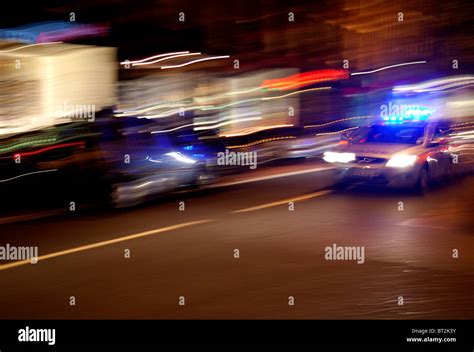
[(184, 264)]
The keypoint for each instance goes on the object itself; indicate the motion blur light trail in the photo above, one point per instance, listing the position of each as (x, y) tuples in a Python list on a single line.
[(183, 139), (52, 31), (439, 84), (388, 67), (260, 141), (27, 174), (338, 121), (165, 59), (264, 98), (336, 132), (27, 46), (152, 57), (297, 92), (253, 130), (174, 112), (58, 146), (303, 79), (227, 123), (195, 61)]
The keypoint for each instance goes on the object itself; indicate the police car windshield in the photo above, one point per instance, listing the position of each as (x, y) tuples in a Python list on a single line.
[(388, 134)]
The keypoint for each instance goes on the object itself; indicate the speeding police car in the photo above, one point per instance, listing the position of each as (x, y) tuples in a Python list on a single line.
[(410, 151)]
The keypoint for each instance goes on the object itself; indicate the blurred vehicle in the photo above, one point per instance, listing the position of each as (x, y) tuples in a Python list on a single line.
[(48, 166), (402, 153), (138, 165), (116, 161), (50, 95), (271, 145), (304, 147)]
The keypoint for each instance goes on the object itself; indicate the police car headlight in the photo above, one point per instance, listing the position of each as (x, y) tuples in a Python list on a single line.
[(402, 160), (181, 157), (333, 157)]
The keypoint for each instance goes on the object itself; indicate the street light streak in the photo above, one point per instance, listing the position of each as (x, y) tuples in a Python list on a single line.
[(198, 123), (152, 57), (164, 59), (27, 46), (331, 133), (218, 96), (57, 146), (148, 107), (447, 86), (244, 91), (260, 141), (227, 123), (141, 111), (195, 61), (433, 83), (298, 92), (337, 121), (232, 104), (264, 99), (288, 86), (173, 112), (172, 129), (254, 129), (388, 67), (27, 174)]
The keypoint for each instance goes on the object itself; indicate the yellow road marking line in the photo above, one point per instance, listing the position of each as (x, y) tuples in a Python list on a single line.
[(105, 243), (284, 201)]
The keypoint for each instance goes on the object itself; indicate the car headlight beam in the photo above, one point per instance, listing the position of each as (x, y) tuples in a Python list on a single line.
[(334, 157), (402, 160), (181, 157)]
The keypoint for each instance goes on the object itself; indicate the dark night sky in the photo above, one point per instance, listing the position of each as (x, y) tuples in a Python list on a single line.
[(148, 26)]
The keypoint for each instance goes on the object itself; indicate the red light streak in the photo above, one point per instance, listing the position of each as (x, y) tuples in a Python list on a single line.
[(58, 146), (302, 79)]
